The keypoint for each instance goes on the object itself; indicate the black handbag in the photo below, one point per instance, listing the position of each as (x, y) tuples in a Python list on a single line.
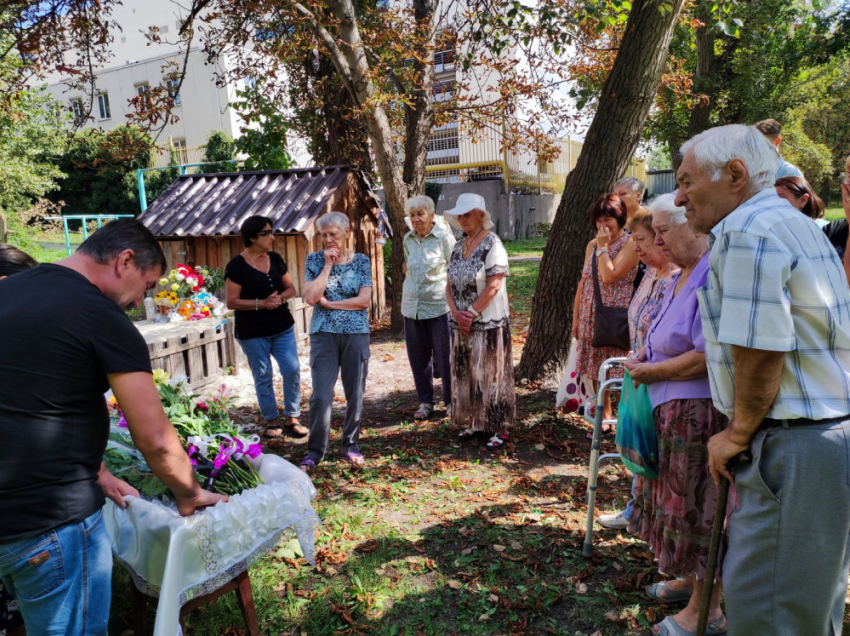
[(611, 327)]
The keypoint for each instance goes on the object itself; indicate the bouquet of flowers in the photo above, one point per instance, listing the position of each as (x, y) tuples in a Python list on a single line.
[(216, 446), (185, 280), (186, 297)]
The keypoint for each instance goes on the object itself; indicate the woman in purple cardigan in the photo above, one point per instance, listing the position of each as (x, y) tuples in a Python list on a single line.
[(674, 513)]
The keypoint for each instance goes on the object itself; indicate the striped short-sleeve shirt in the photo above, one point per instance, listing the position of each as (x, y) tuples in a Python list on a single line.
[(775, 283)]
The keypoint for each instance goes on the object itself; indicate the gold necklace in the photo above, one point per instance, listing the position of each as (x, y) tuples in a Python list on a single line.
[(469, 242), (253, 264)]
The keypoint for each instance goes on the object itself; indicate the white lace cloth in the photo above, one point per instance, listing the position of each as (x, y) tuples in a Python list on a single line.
[(179, 558)]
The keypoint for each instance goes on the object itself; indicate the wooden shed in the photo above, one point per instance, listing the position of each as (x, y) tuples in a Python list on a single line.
[(197, 220)]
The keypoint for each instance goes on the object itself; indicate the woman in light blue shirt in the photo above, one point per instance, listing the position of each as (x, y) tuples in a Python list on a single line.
[(338, 285), (427, 250)]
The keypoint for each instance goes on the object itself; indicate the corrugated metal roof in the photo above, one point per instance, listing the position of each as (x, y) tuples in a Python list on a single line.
[(217, 204)]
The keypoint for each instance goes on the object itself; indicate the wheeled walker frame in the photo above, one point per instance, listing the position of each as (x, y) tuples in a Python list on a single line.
[(605, 386)]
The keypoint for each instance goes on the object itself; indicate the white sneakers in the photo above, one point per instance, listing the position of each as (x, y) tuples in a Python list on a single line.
[(614, 521)]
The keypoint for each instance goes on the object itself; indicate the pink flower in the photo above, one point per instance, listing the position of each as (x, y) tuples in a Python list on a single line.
[(191, 451), (201, 406)]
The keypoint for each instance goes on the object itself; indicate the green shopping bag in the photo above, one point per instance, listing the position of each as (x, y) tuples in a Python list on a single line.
[(636, 439)]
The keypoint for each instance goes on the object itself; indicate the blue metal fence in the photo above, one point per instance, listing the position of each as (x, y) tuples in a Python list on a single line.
[(100, 218)]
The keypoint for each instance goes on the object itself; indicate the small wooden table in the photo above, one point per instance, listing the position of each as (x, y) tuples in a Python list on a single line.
[(241, 585)]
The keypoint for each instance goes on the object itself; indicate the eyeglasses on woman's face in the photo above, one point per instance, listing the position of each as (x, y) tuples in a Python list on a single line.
[(265, 232)]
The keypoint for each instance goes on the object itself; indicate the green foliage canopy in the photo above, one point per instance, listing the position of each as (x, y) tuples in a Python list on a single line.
[(31, 135), (219, 147)]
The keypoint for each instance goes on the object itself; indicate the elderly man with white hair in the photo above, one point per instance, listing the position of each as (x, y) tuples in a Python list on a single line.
[(776, 320)]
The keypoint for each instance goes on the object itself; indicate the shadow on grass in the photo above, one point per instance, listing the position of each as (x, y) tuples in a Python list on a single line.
[(432, 537), (478, 574)]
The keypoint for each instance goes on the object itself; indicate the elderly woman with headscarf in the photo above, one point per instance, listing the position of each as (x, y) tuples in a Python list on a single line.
[(338, 284), (674, 513), (427, 249), (483, 394)]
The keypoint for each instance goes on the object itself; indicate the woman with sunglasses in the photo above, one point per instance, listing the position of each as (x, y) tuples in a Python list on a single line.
[(258, 286)]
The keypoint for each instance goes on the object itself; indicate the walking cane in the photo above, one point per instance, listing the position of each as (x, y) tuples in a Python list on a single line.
[(713, 550)]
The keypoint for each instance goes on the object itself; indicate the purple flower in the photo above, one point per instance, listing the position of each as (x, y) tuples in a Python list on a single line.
[(122, 423), (192, 450), (254, 451), (222, 458)]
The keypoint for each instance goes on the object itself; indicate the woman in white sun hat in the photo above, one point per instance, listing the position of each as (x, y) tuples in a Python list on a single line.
[(483, 395)]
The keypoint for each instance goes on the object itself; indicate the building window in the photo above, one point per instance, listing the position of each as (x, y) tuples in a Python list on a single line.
[(443, 145), (444, 61), (181, 153), (144, 91), (77, 110), (103, 112), (444, 90), (171, 85)]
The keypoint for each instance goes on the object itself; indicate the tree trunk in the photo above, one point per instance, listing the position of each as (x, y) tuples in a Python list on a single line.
[(351, 63), (626, 98), (704, 73)]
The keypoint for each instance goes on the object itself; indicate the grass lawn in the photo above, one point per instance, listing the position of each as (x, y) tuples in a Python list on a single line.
[(432, 537), (831, 214), (30, 240), (521, 285), (526, 247)]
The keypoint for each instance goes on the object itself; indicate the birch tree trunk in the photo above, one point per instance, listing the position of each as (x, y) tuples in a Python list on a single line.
[(351, 62), (611, 140)]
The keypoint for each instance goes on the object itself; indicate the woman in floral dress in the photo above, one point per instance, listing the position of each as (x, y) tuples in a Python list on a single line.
[(645, 306), (616, 262), (483, 394), (674, 513)]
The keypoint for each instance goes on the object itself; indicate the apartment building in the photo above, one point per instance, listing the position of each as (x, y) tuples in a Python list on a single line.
[(201, 105)]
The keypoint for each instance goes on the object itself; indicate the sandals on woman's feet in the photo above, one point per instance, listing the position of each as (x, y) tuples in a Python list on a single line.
[(497, 441), (295, 429), (273, 432), (662, 592), (307, 465), (669, 627), (424, 411), (353, 457)]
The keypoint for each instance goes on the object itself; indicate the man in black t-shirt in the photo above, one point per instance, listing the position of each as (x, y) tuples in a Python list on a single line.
[(64, 340)]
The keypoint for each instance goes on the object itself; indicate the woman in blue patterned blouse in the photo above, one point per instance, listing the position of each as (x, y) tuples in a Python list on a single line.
[(338, 284), (427, 250)]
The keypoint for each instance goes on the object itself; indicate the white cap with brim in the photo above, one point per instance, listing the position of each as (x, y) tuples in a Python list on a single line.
[(466, 202)]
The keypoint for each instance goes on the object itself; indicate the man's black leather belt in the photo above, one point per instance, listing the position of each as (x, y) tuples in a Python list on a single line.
[(772, 423)]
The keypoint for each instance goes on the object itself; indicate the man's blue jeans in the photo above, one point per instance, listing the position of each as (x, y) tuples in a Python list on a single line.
[(284, 349), (62, 579)]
